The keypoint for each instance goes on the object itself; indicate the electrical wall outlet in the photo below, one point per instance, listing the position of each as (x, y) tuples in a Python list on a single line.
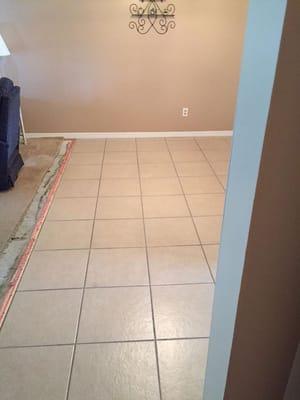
[(185, 112)]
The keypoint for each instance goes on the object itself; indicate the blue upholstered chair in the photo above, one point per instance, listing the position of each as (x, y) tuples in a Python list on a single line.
[(10, 159)]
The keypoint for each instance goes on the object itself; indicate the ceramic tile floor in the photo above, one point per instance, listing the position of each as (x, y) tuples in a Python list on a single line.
[(116, 300)]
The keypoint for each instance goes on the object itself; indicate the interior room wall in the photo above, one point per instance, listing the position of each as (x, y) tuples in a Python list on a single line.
[(253, 325), (267, 329), (82, 69)]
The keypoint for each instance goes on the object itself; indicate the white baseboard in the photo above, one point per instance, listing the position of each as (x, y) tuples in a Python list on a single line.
[(118, 135)]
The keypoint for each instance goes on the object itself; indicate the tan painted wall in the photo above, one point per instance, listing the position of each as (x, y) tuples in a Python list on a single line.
[(82, 69)]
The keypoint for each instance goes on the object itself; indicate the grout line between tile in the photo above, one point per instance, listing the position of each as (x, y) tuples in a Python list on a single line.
[(142, 177), (104, 343), (149, 279), (132, 247), (114, 287), (85, 280), (126, 219), (190, 211), (225, 190), (211, 166)]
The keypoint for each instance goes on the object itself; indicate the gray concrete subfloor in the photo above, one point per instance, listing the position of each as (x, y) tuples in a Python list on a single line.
[(38, 156)]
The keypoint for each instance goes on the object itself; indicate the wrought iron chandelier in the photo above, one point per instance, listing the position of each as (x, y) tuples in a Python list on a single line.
[(152, 16)]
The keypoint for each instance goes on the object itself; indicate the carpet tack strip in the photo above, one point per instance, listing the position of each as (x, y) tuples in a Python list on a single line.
[(23, 260)]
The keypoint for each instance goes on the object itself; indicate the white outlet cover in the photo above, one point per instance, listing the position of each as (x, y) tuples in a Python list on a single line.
[(185, 112)]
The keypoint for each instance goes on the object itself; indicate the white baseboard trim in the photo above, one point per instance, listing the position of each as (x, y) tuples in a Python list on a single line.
[(120, 135)]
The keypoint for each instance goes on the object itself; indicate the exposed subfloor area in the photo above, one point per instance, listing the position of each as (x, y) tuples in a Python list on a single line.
[(116, 300), (38, 156)]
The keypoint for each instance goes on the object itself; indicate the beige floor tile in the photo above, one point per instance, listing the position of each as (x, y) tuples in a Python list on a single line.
[(220, 167), (209, 229), (180, 138), (212, 255), (116, 314), (160, 186), (182, 368), (118, 233), (212, 143), (119, 207), (35, 373), (165, 206), (228, 140), (182, 311), (201, 184), (217, 155), (223, 179), (118, 157), (60, 235), (152, 145), (178, 265), (180, 145), (78, 188), (120, 187), (157, 171), (154, 157), (120, 145), (200, 168), (120, 171), (120, 371), (82, 172), (86, 158), (72, 209), (42, 318), (55, 270), (89, 146), (187, 156), (117, 267), (170, 232), (206, 204)]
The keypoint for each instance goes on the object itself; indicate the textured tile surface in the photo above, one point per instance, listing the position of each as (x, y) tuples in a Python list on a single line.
[(120, 371), (182, 368), (120, 171), (118, 267), (165, 206), (78, 188), (160, 186), (116, 314), (89, 146), (56, 235), (87, 280), (126, 157), (206, 204), (119, 207), (170, 232), (154, 157), (72, 209), (187, 156), (157, 170), (42, 318), (182, 311), (86, 158), (118, 233), (201, 184), (82, 172), (209, 229), (174, 265), (55, 270), (212, 254), (120, 145), (200, 168), (35, 373), (120, 187)]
